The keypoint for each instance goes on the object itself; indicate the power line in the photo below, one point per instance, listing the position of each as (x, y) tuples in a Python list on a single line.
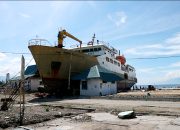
[(21, 53), (158, 57), (20, 71), (135, 58)]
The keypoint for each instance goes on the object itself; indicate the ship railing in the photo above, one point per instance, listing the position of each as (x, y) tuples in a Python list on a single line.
[(107, 44), (38, 41), (95, 43), (77, 45), (103, 43)]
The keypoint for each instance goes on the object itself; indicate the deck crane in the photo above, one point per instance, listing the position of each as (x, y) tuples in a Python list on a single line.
[(62, 34)]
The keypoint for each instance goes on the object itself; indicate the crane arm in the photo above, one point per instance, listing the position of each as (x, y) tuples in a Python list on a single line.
[(62, 34)]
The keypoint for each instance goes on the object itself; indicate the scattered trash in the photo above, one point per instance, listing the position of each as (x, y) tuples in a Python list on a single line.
[(82, 117), (143, 90), (60, 113), (40, 95), (148, 94), (127, 115), (6, 117)]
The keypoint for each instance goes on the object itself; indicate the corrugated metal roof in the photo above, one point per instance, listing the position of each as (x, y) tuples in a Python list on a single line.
[(31, 70), (98, 72)]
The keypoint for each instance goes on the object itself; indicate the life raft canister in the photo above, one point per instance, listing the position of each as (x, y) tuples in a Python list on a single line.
[(122, 59)]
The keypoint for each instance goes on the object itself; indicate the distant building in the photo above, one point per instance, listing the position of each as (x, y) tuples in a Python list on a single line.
[(32, 79), (97, 81)]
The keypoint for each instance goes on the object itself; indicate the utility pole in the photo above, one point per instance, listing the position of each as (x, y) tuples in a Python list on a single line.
[(22, 95), (6, 87), (69, 78)]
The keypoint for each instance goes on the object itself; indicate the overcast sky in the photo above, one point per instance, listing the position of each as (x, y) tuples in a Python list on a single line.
[(139, 29)]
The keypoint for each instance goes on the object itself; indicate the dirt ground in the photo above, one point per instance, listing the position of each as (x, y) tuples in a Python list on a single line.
[(92, 113), (35, 114), (107, 121)]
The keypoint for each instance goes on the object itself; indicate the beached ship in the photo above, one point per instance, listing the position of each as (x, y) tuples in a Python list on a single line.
[(57, 65)]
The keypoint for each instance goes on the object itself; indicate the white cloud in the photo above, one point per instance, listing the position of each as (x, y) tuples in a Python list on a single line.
[(118, 18), (169, 76), (157, 75), (177, 64), (12, 64), (152, 46), (163, 49), (174, 40), (145, 70), (24, 15), (2, 56), (29, 60), (173, 74), (146, 50), (144, 24)]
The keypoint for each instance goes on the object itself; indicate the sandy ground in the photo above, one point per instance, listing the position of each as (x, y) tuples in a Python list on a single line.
[(158, 95), (151, 115), (141, 107)]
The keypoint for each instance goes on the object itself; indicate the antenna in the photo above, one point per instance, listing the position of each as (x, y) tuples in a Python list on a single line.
[(7, 77), (93, 39), (36, 40)]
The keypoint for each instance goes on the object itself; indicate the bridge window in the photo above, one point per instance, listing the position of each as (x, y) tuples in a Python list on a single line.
[(115, 62), (85, 50), (95, 49), (130, 69), (99, 49), (91, 49)]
